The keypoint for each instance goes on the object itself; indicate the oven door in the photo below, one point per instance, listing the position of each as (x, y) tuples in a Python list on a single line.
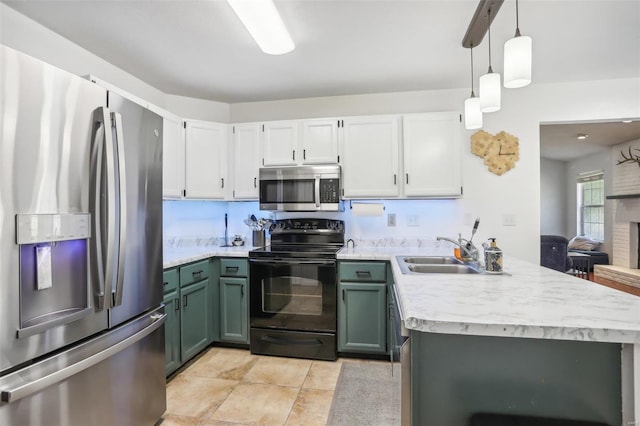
[(293, 294)]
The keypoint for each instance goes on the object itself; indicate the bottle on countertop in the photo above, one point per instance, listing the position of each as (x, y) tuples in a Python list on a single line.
[(492, 257)]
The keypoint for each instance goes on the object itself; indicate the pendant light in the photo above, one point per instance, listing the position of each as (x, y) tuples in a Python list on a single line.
[(472, 113), (490, 83), (517, 59)]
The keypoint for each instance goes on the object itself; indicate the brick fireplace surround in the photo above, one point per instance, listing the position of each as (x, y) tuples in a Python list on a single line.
[(625, 213)]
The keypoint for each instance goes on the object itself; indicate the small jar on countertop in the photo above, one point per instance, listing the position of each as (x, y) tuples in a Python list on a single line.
[(492, 257)]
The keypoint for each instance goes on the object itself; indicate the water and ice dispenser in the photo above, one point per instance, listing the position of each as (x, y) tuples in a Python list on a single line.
[(54, 270)]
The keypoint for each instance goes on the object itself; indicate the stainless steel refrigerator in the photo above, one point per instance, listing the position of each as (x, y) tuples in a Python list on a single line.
[(81, 316)]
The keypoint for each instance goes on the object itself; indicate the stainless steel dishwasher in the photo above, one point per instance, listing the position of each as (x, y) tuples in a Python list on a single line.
[(404, 343)]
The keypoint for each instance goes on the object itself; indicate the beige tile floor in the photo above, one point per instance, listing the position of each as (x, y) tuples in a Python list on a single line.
[(231, 386)]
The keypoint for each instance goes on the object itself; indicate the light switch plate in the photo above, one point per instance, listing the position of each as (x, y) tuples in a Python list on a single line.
[(412, 220), (509, 219)]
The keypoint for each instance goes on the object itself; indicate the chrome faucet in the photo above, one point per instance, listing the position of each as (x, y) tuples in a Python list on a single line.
[(471, 252)]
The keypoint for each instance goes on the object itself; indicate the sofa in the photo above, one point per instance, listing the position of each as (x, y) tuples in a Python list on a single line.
[(554, 253)]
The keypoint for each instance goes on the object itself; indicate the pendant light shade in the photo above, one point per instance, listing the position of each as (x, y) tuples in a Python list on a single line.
[(517, 59), (490, 92), (472, 113), (490, 86)]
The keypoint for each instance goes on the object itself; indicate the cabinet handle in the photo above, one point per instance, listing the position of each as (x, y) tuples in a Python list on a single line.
[(395, 179), (255, 182), (242, 290), (231, 268), (294, 155), (165, 283), (407, 177), (304, 154), (363, 274), (197, 274), (222, 182), (176, 304), (184, 303), (343, 294)]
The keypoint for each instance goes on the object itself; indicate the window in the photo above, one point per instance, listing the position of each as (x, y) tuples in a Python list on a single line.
[(591, 204)]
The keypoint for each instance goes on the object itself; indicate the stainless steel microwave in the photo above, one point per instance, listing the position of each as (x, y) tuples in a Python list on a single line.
[(303, 188)]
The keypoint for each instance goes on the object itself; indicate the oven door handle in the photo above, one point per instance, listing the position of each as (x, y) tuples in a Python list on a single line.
[(293, 261)]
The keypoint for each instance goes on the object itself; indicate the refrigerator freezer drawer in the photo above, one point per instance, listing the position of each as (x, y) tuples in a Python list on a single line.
[(116, 378)]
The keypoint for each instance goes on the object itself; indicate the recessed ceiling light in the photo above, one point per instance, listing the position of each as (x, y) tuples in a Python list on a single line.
[(582, 136)]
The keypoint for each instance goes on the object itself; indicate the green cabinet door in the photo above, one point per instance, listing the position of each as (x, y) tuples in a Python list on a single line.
[(234, 326), (194, 318), (362, 317), (172, 331)]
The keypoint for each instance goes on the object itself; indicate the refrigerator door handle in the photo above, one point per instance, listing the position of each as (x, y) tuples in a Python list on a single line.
[(20, 389), (103, 264), (122, 203), (96, 181)]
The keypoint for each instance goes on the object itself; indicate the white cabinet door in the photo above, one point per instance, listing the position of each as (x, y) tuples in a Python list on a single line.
[(206, 160), (432, 155), (246, 157), (320, 141), (370, 156), (172, 157), (280, 142)]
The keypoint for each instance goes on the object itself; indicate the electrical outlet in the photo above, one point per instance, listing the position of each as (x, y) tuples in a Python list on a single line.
[(509, 219), (391, 219), (412, 220)]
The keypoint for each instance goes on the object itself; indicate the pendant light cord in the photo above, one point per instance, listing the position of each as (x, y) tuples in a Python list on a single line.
[(472, 94), (489, 16), (517, 21)]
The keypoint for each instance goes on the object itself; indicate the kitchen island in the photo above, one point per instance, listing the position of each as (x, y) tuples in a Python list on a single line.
[(533, 342)]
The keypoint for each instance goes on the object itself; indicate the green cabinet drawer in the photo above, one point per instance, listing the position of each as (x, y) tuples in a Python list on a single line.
[(233, 267), (363, 271), (194, 272), (170, 280)]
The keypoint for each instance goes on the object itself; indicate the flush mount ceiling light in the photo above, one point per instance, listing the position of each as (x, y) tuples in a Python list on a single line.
[(582, 136), (472, 113), (262, 20), (517, 59), (490, 82)]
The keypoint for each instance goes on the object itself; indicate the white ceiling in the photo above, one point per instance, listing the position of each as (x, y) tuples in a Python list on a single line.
[(200, 49), (560, 142)]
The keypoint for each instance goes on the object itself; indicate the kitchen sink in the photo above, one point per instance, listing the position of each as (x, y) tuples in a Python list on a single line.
[(435, 265), (433, 260)]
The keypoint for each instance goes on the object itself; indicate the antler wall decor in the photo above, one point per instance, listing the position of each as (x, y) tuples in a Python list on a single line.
[(630, 159)]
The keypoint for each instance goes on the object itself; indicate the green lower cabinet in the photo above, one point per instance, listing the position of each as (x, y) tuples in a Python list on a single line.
[(362, 317), (234, 325), (194, 318), (172, 331)]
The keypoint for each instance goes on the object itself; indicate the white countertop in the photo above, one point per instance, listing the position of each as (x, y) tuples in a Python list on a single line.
[(532, 301), (181, 255)]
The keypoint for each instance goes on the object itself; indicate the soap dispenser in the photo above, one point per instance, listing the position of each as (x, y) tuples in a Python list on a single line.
[(492, 257)]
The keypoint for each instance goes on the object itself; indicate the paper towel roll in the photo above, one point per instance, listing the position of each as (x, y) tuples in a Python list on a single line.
[(367, 209)]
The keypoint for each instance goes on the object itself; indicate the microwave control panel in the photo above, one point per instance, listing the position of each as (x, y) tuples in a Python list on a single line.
[(329, 191)]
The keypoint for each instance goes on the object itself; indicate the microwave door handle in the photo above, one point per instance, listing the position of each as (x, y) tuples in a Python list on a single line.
[(317, 194), (97, 260), (122, 204)]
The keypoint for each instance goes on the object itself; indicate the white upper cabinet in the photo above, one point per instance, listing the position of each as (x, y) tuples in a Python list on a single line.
[(432, 155), (206, 160), (370, 148), (280, 143), (246, 160), (319, 141), (172, 157)]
